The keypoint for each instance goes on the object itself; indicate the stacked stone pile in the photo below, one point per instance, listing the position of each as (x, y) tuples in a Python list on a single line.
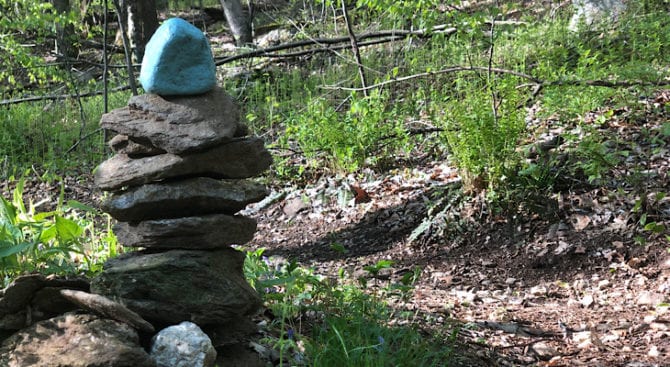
[(179, 174)]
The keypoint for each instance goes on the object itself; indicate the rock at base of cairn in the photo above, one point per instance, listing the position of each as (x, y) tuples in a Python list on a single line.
[(182, 345), (75, 340), (166, 288)]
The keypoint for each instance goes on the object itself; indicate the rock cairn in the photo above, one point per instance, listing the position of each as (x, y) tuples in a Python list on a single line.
[(179, 175)]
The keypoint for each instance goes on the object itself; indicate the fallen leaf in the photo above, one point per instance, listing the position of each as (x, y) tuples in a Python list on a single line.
[(580, 221), (360, 195), (587, 301), (562, 247)]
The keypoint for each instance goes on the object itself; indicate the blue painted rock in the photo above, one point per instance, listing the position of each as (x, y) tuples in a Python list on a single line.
[(178, 61)]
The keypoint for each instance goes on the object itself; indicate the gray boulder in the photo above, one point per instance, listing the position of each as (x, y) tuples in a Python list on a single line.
[(75, 340), (595, 12), (183, 345), (204, 287), (178, 124), (202, 232), (195, 196), (240, 158)]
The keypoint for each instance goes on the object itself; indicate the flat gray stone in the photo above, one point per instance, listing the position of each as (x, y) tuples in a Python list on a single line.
[(178, 124), (22, 292), (202, 232), (183, 198), (177, 60), (240, 158), (204, 287)]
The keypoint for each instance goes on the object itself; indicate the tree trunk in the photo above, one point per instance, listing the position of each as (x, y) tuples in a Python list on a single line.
[(141, 23), (64, 44), (239, 22)]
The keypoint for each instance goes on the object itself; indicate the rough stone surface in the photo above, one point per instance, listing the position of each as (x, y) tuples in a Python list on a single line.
[(200, 232), (240, 158), (107, 308), (592, 12), (177, 61), (204, 287), (178, 124), (133, 147), (183, 345), (74, 340), (39, 295), (190, 197)]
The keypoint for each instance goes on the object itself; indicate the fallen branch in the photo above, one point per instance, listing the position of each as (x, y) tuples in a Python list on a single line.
[(536, 83), (76, 144), (57, 97), (328, 49), (438, 72), (393, 34)]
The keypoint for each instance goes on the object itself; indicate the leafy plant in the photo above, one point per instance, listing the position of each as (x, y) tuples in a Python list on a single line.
[(344, 141), (326, 322), (483, 140), (62, 241)]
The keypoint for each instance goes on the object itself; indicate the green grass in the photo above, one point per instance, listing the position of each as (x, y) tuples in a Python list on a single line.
[(325, 322), (41, 136)]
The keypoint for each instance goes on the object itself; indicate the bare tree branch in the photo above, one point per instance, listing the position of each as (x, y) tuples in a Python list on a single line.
[(56, 97), (354, 48), (454, 69), (536, 83), (393, 34)]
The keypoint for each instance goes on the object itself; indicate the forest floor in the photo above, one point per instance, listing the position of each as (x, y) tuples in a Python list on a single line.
[(582, 283), (572, 278), (578, 283)]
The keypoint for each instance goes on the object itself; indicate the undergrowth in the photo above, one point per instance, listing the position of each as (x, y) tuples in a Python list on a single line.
[(319, 321), (70, 239)]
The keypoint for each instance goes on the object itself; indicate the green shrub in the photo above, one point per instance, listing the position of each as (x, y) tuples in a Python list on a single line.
[(336, 322), (65, 240), (345, 141)]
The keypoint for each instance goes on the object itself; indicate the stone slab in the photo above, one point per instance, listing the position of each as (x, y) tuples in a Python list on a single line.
[(183, 198), (240, 158), (204, 287), (178, 124), (202, 232)]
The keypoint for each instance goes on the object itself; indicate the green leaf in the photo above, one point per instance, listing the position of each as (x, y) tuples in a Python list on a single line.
[(68, 230), (13, 250), (654, 227), (74, 204), (7, 211), (338, 247)]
